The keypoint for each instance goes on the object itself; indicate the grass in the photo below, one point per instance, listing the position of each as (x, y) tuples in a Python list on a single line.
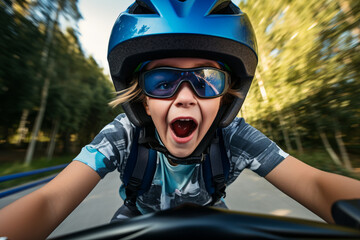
[(37, 163)]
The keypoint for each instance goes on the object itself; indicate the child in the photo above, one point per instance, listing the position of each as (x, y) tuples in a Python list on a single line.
[(183, 69)]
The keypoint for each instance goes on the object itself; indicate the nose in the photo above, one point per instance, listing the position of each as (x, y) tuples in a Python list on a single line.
[(185, 96)]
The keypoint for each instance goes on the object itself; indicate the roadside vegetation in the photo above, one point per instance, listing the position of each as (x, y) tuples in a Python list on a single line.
[(17, 166), (305, 96)]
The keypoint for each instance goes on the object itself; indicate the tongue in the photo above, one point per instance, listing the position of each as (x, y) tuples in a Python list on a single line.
[(183, 128)]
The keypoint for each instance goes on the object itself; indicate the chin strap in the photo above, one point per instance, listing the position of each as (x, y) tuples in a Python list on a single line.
[(186, 161)]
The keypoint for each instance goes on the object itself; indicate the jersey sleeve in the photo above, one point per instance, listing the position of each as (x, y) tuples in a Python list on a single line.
[(109, 148), (247, 147)]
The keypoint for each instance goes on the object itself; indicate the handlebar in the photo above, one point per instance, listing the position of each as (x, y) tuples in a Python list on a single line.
[(192, 221)]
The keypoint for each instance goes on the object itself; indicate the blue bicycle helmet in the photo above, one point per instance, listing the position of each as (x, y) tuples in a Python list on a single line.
[(155, 29)]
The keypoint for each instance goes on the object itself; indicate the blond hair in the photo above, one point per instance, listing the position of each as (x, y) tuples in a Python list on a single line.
[(134, 92)]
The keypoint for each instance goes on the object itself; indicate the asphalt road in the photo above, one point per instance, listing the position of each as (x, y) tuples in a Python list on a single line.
[(249, 193)]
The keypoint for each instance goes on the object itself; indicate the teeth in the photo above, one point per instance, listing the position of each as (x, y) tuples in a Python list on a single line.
[(185, 120)]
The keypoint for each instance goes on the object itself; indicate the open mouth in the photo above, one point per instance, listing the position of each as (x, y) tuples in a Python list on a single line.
[(183, 127)]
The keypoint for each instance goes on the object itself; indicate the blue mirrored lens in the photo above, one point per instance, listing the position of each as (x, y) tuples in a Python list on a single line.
[(209, 83), (161, 83), (164, 82)]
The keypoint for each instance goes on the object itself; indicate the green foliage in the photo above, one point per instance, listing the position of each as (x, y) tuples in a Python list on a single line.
[(308, 72), (17, 166), (308, 65), (21, 49), (79, 91)]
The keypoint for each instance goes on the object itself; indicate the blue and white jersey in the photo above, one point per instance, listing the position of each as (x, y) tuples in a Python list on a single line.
[(245, 146)]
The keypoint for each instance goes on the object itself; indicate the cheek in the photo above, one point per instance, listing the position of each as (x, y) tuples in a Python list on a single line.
[(212, 107), (156, 108), (210, 110)]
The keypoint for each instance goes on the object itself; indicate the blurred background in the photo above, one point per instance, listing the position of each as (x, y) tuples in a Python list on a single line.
[(55, 84)]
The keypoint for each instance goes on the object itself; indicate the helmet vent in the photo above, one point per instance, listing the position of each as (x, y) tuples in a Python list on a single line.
[(139, 7), (226, 7)]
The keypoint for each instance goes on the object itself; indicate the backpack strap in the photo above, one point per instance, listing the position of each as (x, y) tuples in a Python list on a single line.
[(216, 169), (141, 165), (139, 171)]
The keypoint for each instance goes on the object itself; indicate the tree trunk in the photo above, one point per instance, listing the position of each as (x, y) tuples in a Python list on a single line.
[(277, 107), (343, 152), (66, 143), (298, 142), (285, 132), (22, 130), (44, 92), (283, 128), (51, 147), (261, 86), (271, 133), (329, 149), (38, 122)]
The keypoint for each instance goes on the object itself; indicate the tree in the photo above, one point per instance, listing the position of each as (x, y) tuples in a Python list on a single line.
[(21, 42), (308, 66), (68, 8)]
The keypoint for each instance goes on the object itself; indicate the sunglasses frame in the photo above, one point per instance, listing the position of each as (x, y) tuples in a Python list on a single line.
[(142, 81)]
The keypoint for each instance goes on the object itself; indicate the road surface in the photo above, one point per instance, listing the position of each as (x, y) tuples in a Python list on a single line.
[(249, 193)]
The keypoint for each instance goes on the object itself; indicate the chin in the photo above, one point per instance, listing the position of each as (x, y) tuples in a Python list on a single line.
[(181, 153)]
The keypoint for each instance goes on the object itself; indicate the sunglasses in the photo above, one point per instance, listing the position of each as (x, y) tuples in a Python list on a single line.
[(164, 82)]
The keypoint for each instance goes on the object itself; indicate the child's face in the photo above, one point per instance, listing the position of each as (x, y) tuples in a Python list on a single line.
[(169, 114)]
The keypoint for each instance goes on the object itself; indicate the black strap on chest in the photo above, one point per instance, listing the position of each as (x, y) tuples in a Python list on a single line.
[(139, 172), (142, 161), (216, 169)]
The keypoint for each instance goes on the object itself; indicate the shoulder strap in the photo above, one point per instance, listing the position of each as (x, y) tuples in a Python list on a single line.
[(141, 165), (216, 169), (139, 171)]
